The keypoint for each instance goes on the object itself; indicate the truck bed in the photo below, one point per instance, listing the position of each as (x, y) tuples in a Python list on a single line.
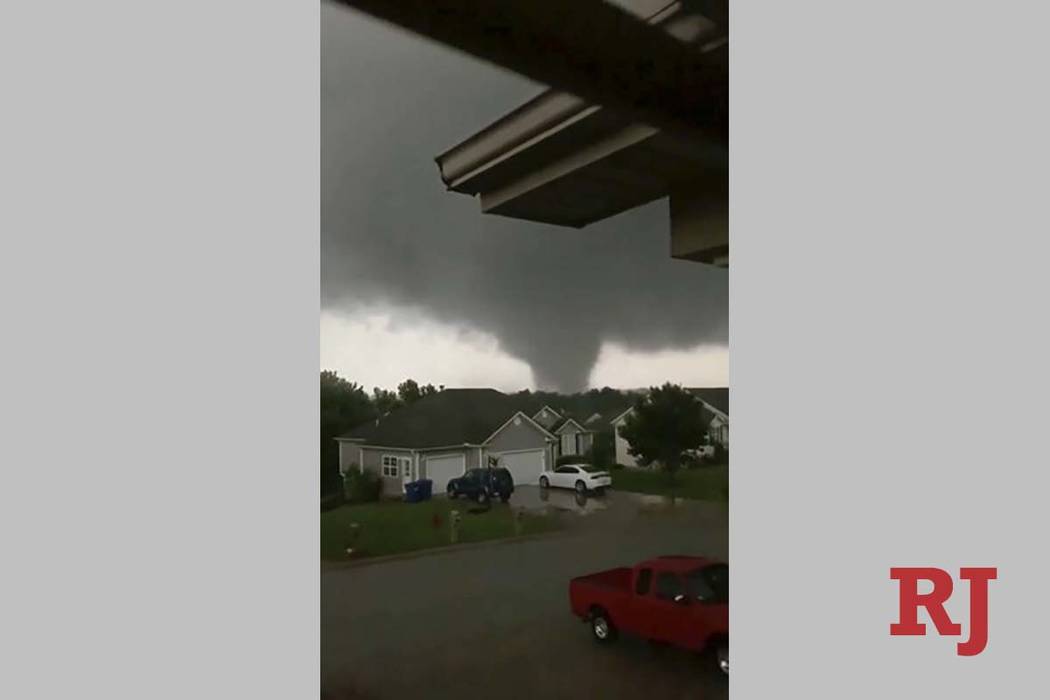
[(620, 577), (603, 589)]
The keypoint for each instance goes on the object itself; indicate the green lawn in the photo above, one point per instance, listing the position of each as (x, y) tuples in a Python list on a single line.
[(392, 527), (702, 483)]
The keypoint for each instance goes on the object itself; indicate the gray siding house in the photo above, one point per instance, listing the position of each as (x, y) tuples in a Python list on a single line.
[(573, 438), (442, 435), (715, 400)]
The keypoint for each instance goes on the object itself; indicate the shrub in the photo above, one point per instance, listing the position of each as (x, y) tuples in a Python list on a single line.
[(603, 450), (332, 500), (721, 454), (571, 459), (361, 486), (691, 461)]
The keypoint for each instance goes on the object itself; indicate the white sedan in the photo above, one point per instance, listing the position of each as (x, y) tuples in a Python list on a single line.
[(575, 476)]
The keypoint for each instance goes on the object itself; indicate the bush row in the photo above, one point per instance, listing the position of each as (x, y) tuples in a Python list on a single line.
[(361, 486)]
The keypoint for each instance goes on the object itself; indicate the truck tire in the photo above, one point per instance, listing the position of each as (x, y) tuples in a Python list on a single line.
[(602, 627), (717, 650), (451, 491), (483, 497)]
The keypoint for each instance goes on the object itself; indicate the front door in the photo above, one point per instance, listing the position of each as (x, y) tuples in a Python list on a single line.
[(405, 469)]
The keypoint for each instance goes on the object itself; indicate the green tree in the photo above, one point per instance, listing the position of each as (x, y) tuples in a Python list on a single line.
[(385, 401), (665, 423), (603, 450), (344, 405), (409, 391)]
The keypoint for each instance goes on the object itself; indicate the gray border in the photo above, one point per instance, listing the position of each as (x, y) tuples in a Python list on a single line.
[(159, 256), (888, 340)]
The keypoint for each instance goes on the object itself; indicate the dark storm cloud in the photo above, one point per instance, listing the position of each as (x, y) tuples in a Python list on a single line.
[(391, 234)]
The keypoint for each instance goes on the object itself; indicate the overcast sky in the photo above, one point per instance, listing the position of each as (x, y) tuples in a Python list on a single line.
[(416, 282)]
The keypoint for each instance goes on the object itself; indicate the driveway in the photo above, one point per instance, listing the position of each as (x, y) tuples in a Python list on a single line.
[(495, 619)]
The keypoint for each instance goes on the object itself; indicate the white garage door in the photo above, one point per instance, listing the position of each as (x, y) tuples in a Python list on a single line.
[(441, 469), (525, 466)]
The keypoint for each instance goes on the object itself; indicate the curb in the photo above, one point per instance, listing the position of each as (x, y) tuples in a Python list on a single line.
[(435, 551)]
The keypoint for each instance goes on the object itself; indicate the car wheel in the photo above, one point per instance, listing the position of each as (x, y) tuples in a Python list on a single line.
[(581, 487), (544, 483), (451, 491), (505, 497), (722, 654), (483, 497), (602, 627)]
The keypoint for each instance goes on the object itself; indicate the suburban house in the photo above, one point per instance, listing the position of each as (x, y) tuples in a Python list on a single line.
[(442, 435), (715, 400), (573, 438)]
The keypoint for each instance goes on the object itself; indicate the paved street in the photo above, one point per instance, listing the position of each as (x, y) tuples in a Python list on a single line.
[(495, 620)]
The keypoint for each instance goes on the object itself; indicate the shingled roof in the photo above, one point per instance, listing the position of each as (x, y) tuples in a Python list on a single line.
[(602, 419), (565, 419), (449, 417), (714, 397)]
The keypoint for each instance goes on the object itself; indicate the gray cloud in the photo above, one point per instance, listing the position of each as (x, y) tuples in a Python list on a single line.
[(390, 233)]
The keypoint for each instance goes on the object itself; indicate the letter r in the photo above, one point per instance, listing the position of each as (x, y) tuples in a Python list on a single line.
[(910, 600)]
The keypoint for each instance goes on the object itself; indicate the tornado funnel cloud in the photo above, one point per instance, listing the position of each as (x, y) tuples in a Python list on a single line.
[(392, 235)]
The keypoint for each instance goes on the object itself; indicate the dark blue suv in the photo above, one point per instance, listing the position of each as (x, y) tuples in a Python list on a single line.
[(482, 484)]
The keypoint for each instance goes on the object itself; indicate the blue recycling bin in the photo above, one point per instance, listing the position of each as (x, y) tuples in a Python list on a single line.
[(413, 492), (427, 488), (417, 491)]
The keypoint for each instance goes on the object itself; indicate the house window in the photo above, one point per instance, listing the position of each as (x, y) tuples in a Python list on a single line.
[(391, 465), (568, 444), (585, 443)]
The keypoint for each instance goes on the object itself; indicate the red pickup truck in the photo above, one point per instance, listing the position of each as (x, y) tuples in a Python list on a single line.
[(677, 600)]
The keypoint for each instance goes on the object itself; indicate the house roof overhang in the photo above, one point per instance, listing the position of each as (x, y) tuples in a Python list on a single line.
[(570, 423), (617, 419), (597, 49), (543, 431), (563, 160), (587, 167), (545, 408)]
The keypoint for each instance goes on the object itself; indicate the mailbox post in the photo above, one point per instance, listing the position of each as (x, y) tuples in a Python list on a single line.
[(355, 534), (453, 522)]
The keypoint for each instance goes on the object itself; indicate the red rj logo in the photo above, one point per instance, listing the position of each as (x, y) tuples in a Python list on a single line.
[(911, 599)]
